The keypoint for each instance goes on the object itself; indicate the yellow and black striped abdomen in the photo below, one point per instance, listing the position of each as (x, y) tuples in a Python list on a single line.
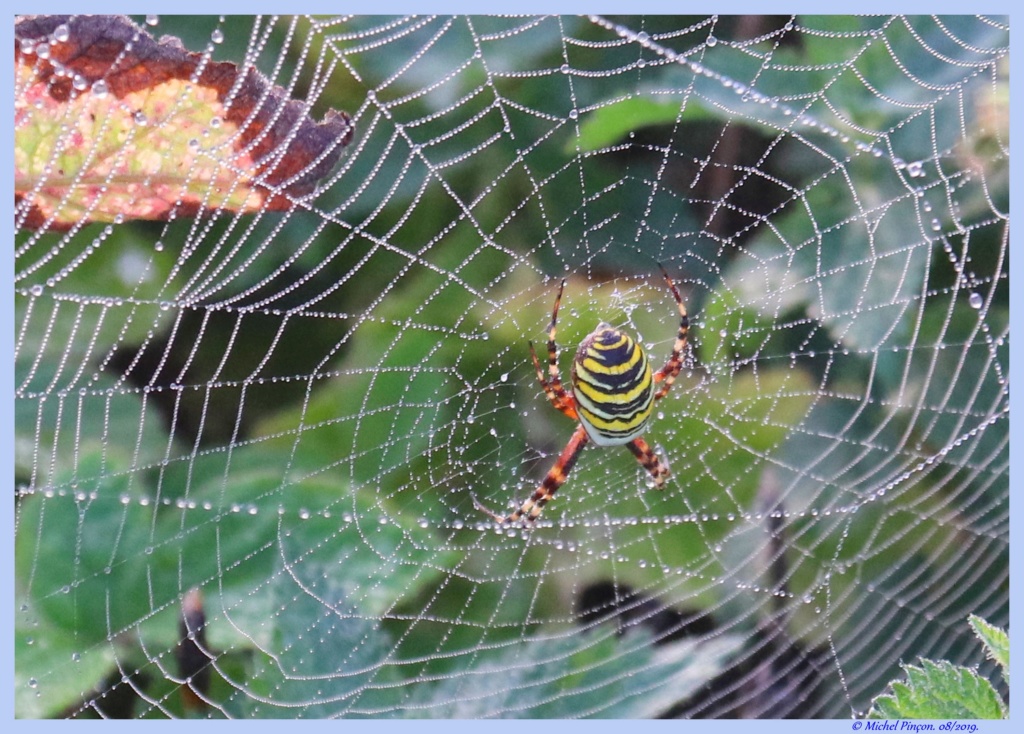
[(613, 386)]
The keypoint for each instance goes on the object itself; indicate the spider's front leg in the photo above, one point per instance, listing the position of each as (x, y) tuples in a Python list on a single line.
[(555, 478), (552, 384), (668, 373)]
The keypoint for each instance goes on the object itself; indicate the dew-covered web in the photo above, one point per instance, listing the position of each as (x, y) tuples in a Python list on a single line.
[(248, 441)]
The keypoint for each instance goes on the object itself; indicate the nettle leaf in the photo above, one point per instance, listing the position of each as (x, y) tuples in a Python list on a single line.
[(996, 641), (939, 690), (109, 121)]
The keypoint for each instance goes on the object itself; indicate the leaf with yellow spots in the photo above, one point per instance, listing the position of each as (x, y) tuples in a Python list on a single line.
[(109, 121)]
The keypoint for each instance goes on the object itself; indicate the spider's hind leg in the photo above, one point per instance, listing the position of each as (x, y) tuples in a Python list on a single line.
[(555, 478), (649, 461)]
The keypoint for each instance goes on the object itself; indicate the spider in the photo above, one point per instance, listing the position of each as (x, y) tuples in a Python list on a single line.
[(613, 394)]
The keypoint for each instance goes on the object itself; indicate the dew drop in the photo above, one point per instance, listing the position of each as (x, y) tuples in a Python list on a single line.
[(61, 33), (140, 118), (36, 290), (976, 300), (217, 36), (711, 41), (100, 88)]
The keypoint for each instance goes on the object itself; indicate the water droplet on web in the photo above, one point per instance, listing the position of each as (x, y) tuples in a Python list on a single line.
[(152, 20), (140, 118), (36, 290), (711, 41), (915, 169), (100, 88), (217, 36), (61, 33), (976, 300)]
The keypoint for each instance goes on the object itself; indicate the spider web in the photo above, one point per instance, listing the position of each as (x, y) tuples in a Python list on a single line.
[(247, 443)]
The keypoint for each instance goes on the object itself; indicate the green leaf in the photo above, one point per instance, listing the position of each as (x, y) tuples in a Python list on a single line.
[(939, 690), (996, 641), (597, 674), (612, 122), (53, 670), (82, 556), (325, 658)]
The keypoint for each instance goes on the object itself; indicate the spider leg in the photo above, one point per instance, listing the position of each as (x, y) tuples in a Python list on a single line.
[(552, 384), (555, 478), (557, 394), (668, 373), (650, 461)]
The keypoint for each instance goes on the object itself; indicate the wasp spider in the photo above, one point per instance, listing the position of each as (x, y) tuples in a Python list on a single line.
[(613, 394)]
